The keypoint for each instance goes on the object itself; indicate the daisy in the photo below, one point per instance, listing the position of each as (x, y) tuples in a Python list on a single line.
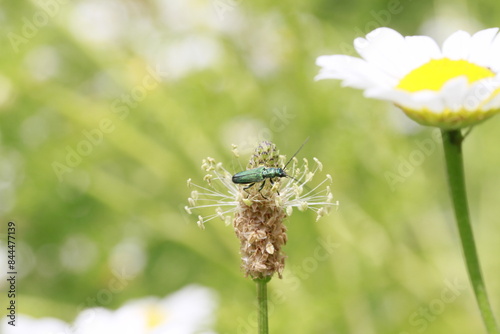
[(258, 211), (187, 311), (453, 86)]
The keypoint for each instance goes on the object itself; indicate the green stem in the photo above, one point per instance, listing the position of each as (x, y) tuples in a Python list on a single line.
[(262, 304), (452, 143)]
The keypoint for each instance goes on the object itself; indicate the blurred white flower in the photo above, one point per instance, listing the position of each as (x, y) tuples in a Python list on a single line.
[(98, 22), (187, 311), (182, 56), (77, 253), (188, 16), (6, 90), (128, 256), (43, 62), (190, 310)]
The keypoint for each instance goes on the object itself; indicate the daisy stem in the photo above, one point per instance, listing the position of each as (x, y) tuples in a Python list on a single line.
[(262, 304), (452, 143)]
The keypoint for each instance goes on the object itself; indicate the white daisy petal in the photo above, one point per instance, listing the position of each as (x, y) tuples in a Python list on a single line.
[(429, 101), (494, 103), (353, 71), (407, 100), (397, 96), (472, 99), (395, 54), (481, 43), (453, 93), (420, 49), (494, 60), (381, 93), (380, 47), (482, 91), (457, 45)]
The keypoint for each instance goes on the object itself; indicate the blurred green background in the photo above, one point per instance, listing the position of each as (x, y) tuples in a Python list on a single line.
[(108, 107)]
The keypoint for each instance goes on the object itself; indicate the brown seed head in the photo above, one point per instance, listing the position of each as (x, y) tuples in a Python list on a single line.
[(258, 221)]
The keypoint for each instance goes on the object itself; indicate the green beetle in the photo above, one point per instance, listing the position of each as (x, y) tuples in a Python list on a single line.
[(261, 174)]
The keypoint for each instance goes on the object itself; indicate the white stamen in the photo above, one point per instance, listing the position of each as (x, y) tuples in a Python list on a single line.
[(320, 165)]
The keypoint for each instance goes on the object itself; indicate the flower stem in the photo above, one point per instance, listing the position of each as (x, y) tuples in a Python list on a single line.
[(452, 143), (262, 304)]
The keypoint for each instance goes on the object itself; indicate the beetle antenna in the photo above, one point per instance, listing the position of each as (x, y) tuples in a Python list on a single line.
[(293, 156), (293, 178), (298, 181)]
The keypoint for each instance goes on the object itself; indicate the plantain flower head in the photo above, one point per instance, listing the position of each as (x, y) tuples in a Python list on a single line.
[(451, 87), (258, 211)]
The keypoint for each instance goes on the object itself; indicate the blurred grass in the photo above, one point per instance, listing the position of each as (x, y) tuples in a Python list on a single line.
[(395, 248)]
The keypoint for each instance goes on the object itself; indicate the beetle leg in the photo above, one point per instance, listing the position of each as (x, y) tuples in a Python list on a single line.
[(262, 186), (249, 186), (272, 183)]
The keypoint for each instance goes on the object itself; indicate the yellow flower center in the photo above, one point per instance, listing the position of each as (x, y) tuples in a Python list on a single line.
[(434, 74), (154, 317)]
